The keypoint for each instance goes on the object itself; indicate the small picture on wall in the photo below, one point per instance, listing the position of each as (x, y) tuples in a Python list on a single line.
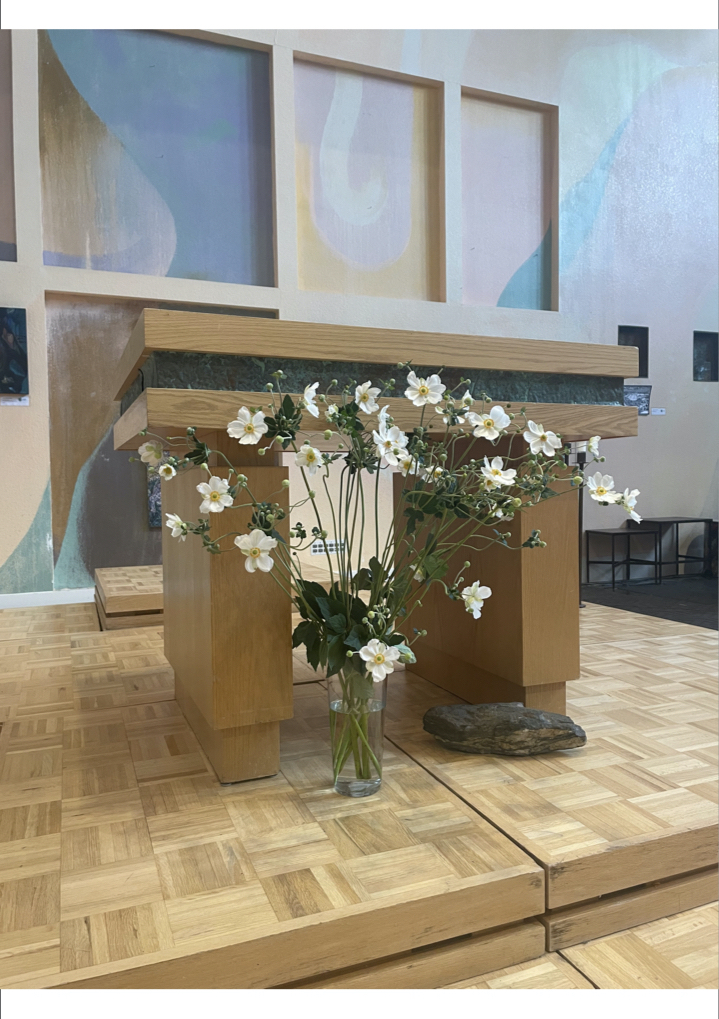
[(154, 499), (638, 396), (13, 351)]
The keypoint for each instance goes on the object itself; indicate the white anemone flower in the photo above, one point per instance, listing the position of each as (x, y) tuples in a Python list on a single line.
[(151, 452), (309, 458), (332, 413), (593, 445), (541, 440), (423, 391), (407, 465), (391, 444), (166, 471), (417, 572), (600, 488), (366, 397), (248, 428), (308, 399), (474, 598), (257, 547), (215, 494), (433, 473), (380, 659), (628, 501), (176, 525), (496, 473), (488, 426), (384, 417)]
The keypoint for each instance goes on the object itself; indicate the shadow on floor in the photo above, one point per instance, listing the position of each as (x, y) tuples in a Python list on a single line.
[(685, 600)]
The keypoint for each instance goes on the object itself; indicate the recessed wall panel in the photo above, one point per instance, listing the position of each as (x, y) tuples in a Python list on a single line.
[(156, 156), (8, 250), (506, 204), (367, 184)]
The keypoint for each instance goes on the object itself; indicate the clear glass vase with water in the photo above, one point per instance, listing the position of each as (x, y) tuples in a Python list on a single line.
[(357, 707)]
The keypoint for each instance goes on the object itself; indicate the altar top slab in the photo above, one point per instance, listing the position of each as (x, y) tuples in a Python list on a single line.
[(161, 330)]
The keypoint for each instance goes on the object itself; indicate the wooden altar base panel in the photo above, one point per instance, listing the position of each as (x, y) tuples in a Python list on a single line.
[(124, 863)]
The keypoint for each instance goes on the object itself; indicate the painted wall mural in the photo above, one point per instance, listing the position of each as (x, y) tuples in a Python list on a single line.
[(367, 184), (506, 205), (156, 155), (637, 233), (99, 498), (8, 249)]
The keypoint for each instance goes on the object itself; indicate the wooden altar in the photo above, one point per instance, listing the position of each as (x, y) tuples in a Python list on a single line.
[(230, 648)]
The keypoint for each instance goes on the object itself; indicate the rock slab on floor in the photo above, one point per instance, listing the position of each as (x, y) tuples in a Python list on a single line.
[(505, 729)]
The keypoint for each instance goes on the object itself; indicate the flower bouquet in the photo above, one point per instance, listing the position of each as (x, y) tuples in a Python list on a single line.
[(456, 492)]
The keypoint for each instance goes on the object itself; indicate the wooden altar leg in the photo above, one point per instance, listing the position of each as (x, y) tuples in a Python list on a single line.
[(525, 647), (227, 632)]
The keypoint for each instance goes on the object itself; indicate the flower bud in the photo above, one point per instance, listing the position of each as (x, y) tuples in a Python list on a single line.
[(328, 434), (311, 494), (466, 565), (285, 483), (370, 615), (262, 451), (241, 479), (350, 653)]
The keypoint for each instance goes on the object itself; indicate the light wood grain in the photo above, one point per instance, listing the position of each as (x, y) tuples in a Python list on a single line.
[(168, 412), (549, 973), (122, 622), (260, 337), (614, 913), (438, 965), (679, 952), (127, 589), (218, 658), (163, 877), (528, 635), (638, 803)]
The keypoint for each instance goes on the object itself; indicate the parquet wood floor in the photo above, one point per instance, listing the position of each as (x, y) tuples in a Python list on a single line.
[(677, 952), (122, 858), (124, 863), (639, 802)]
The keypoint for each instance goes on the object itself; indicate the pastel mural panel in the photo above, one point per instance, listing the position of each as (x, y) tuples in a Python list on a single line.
[(156, 155), (8, 250), (367, 163), (506, 205), (99, 498)]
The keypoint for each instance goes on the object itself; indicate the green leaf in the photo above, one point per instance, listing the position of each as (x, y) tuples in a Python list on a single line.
[(358, 637), (337, 623), (304, 633), (363, 579), (336, 655)]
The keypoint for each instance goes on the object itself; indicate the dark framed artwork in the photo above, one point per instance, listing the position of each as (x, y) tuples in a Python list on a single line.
[(13, 351), (154, 499), (638, 396)]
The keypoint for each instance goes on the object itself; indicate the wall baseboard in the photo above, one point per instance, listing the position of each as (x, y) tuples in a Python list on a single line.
[(28, 599)]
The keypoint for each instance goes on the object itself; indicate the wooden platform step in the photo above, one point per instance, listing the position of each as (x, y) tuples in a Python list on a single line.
[(637, 804), (435, 965), (129, 596), (127, 865)]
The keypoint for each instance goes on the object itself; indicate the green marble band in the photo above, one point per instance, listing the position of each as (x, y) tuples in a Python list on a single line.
[(174, 370)]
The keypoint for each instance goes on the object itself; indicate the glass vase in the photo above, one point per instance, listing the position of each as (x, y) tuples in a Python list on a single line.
[(357, 706)]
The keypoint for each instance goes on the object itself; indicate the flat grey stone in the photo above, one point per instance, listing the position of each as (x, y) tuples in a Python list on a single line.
[(506, 729)]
